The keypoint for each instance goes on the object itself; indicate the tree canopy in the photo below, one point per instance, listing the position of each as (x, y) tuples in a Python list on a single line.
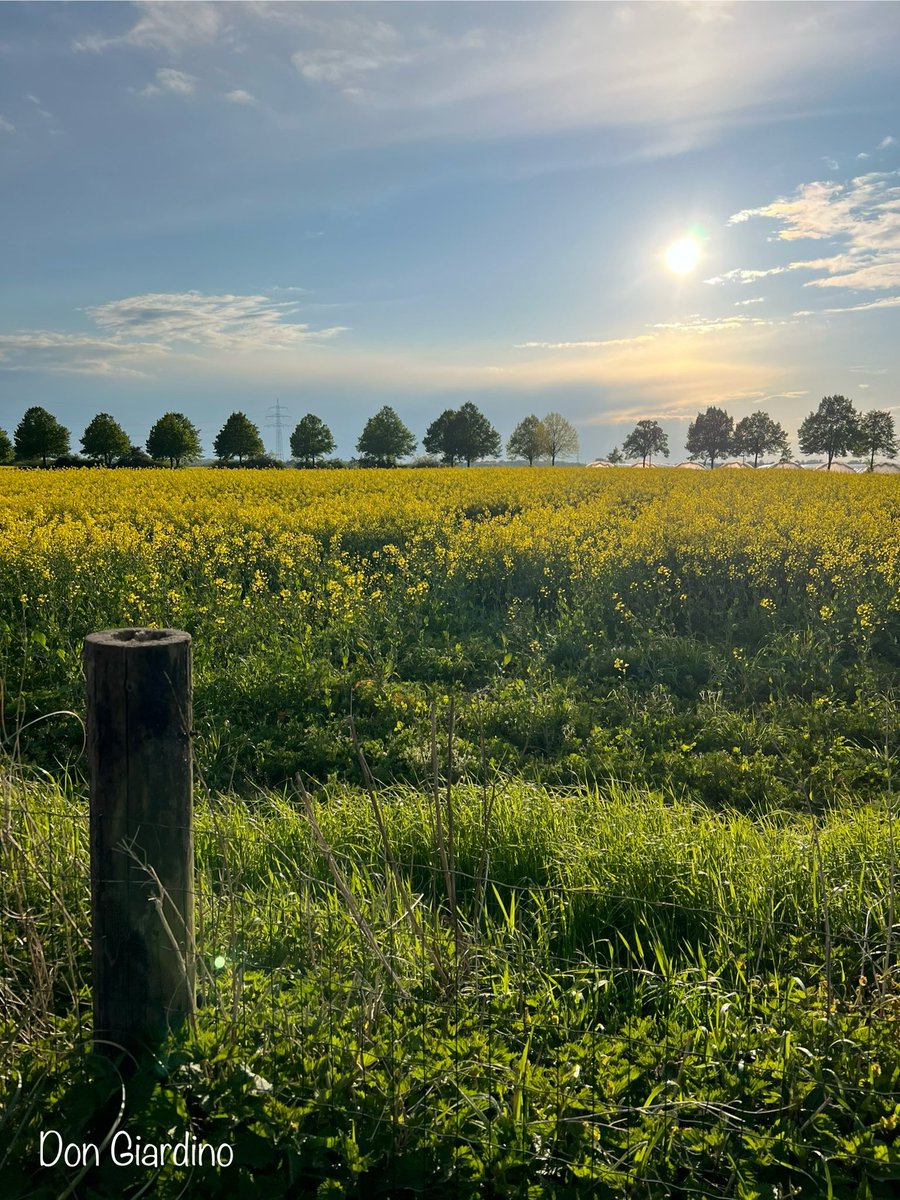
[(528, 440), (562, 438), (310, 440), (40, 435), (464, 433), (439, 437), (238, 438), (615, 456), (759, 434), (6, 447), (710, 436), (876, 435), (833, 429), (173, 437), (104, 440), (384, 439), (645, 440)]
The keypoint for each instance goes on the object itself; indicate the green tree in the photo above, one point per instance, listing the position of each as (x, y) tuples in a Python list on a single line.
[(472, 435), (40, 435), (310, 440), (528, 440), (832, 429), (384, 439), (562, 439), (645, 440), (615, 456), (876, 435), (759, 434), (711, 435), (238, 438), (6, 447), (104, 440), (440, 437), (173, 437)]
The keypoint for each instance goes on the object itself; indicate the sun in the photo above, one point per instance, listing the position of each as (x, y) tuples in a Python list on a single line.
[(682, 255)]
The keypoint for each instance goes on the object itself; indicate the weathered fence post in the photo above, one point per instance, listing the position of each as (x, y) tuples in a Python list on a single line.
[(138, 688)]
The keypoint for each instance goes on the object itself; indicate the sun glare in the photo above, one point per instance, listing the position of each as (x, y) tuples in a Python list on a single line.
[(682, 255)]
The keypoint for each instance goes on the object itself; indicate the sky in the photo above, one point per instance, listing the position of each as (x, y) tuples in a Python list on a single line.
[(213, 207)]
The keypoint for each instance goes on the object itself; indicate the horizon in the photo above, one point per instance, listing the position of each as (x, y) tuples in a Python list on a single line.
[(614, 212)]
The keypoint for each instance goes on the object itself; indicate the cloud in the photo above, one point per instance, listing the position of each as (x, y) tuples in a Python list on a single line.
[(239, 96), (76, 354), (37, 104), (861, 214), (704, 325), (681, 71), (887, 141), (754, 300), (163, 26), (170, 80), (830, 163), (6, 126), (739, 275), (139, 333), (227, 321), (884, 302), (632, 341)]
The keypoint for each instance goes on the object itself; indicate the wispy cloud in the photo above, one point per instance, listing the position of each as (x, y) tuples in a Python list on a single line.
[(239, 96), (163, 26), (666, 67), (887, 141), (170, 80), (6, 126), (862, 214), (137, 332), (753, 300), (884, 302), (586, 345), (229, 322), (77, 354), (739, 275)]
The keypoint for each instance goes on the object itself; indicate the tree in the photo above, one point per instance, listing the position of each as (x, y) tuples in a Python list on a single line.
[(311, 439), (710, 436), (238, 438), (562, 440), (876, 435), (104, 440), (6, 447), (832, 429), (40, 435), (615, 456), (384, 439), (528, 440), (440, 437), (175, 438), (136, 457), (645, 440), (473, 435), (759, 434)]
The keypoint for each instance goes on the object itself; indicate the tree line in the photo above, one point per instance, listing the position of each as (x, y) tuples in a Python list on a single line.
[(457, 435), (834, 429), (462, 435)]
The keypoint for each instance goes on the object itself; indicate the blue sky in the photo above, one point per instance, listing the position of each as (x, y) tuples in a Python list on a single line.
[(208, 207)]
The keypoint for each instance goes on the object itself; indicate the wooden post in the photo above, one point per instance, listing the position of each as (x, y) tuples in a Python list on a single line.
[(138, 687)]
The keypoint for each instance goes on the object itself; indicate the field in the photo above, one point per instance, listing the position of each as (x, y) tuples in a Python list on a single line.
[(648, 950)]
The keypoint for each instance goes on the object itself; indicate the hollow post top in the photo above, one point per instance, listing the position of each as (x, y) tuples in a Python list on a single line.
[(134, 639)]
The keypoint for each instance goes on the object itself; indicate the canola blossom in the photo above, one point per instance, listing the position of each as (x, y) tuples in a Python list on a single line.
[(377, 574)]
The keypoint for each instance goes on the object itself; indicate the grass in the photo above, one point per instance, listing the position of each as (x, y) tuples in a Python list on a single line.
[(638, 1002)]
